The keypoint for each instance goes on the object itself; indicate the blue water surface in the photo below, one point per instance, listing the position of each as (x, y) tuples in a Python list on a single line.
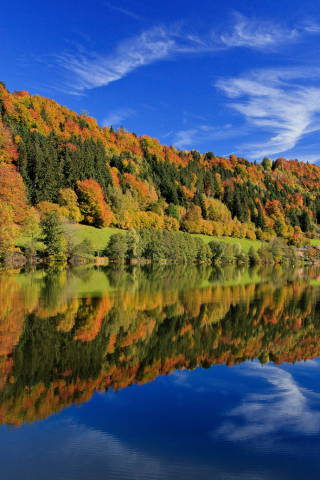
[(249, 421)]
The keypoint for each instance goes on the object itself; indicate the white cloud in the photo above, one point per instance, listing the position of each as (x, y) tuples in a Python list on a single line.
[(93, 70), (309, 158), (287, 406), (68, 450), (275, 101), (122, 10), (90, 70), (205, 133), (258, 34), (117, 116)]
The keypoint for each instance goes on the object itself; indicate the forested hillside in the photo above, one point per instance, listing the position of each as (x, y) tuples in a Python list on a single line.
[(51, 158)]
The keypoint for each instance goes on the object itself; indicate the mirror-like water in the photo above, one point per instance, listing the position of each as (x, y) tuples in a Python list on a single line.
[(222, 366)]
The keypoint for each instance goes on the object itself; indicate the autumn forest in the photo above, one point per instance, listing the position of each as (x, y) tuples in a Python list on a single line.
[(56, 164)]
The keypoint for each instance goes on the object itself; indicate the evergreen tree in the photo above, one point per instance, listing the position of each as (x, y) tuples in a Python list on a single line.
[(52, 236), (228, 197), (306, 224), (183, 201), (260, 217), (198, 200)]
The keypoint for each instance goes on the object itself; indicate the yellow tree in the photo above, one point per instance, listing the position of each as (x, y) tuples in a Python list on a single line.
[(8, 231)]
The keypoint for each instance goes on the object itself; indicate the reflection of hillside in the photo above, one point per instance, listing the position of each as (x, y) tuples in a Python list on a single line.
[(59, 344)]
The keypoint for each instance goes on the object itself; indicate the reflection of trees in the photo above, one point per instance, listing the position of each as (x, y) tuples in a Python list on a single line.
[(58, 346)]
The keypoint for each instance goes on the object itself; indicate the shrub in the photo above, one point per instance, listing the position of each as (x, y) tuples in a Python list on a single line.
[(253, 256)]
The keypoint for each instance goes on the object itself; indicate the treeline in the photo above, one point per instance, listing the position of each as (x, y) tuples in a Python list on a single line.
[(55, 159), (179, 247)]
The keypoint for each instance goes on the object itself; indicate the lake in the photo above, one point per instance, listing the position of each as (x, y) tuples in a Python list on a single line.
[(158, 372)]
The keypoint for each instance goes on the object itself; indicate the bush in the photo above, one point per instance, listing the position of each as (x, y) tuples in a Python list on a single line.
[(253, 256), (250, 234), (237, 249)]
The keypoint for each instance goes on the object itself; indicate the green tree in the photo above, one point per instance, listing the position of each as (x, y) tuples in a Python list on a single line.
[(52, 235), (132, 243), (217, 250), (31, 228), (228, 254), (172, 211), (260, 217), (306, 223), (253, 256), (267, 163), (117, 247), (237, 249)]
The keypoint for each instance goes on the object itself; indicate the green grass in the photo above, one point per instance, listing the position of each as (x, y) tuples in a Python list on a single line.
[(100, 237), (244, 242), (315, 241)]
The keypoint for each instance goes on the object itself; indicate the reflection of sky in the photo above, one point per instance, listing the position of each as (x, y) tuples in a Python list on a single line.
[(248, 422)]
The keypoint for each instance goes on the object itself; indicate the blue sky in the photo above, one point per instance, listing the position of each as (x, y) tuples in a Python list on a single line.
[(229, 77)]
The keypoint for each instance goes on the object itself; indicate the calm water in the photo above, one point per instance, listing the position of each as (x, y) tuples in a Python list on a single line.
[(160, 373)]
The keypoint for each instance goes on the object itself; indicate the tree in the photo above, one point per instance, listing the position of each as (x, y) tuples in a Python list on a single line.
[(117, 247), (237, 249), (267, 163), (8, 230), (260, 217), (52, 236), (280, 227), (172, 211), (132, 242), (198, 200), (253, 256), (92, 204), (31, 227), (12, 192), (228, 254), (217, 250), (68, 202), (228, 197), (306, 223)]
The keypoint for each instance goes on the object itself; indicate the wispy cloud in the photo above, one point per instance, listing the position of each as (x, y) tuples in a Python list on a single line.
[(287, 406), (122, 10), (276, 101), (259, 34), (117, 116), (205, 133), (90, 70)]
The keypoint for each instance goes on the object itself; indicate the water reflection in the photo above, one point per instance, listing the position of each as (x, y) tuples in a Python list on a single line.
[(66, 333)]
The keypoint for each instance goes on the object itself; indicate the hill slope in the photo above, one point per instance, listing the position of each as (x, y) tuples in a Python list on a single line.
[(45, 147)]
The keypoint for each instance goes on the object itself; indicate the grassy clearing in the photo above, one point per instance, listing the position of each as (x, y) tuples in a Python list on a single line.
[(100, 237), (315, 241), (244, 242)]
